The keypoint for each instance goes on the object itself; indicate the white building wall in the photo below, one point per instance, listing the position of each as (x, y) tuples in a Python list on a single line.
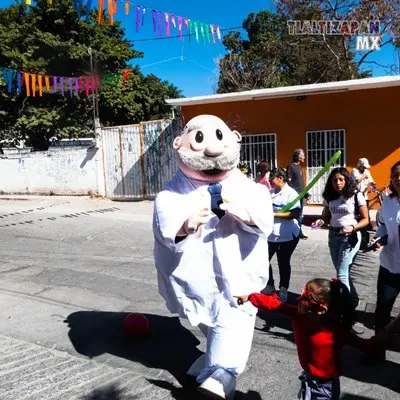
[(63, 171)]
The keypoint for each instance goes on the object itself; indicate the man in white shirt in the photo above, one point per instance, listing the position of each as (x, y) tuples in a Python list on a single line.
[(211, 226), (363, 176)]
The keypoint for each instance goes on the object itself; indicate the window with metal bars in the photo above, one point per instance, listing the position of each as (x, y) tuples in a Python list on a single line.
[(321, 146), (256, 148)]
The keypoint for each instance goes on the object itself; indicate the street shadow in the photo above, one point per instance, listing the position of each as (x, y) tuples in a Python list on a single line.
[(90, 153), (274, 320), (385, 374), (348, 396), (113, 392), (169, 346), (110, 392), (185, 393)]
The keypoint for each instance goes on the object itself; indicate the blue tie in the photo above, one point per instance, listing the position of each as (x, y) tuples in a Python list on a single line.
[(216, 199)]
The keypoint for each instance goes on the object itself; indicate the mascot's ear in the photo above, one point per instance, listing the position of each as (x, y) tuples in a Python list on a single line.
[(177, 143), (238, 135)]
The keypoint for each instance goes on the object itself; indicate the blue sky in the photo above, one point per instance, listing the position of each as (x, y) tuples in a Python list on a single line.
[(191, 66)]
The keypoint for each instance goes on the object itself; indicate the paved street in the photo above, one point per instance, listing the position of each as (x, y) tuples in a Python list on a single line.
[(72, 268)]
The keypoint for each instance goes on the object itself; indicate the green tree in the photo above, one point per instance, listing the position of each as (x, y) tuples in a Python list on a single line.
[(271, 57), (387, 12), (50, 40)]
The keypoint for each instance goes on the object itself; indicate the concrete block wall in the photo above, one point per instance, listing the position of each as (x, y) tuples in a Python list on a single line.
[(62, 171)]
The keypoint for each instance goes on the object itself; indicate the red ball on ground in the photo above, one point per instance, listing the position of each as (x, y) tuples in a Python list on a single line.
[(136, 325)]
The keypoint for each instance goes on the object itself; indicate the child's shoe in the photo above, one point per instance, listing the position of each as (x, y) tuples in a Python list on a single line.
[(269, 289), (283, 294), (220, 385)]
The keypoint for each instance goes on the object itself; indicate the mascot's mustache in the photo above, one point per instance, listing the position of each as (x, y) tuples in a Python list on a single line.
[(201, 162)]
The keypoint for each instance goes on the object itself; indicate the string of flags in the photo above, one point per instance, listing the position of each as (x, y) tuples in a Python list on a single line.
[(36, 84), (162, 21)]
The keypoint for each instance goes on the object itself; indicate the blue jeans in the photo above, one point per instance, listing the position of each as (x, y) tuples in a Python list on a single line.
[(318, 389), (343, 255)]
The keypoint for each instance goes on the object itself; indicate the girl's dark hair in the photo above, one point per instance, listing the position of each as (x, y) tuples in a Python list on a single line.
[(263, 167), (337, 296), (391, 187), (279, 173), (349, 189)]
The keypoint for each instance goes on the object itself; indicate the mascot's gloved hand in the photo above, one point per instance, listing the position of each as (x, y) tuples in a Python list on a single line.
[(237, 210), (193, 223)]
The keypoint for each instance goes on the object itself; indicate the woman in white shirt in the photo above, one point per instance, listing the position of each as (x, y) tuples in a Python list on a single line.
[(389, 271), (342, 203), (285, 234)]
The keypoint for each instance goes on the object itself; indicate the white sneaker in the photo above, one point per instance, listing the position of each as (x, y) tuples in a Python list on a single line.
[(197, 366), (269, 289), (283, 294), (220, 385)]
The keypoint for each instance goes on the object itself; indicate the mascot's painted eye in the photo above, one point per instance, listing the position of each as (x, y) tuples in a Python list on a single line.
[(219, 134), (199, 137)]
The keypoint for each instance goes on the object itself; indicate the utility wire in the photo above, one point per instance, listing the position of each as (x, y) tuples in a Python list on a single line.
[(178, 36)]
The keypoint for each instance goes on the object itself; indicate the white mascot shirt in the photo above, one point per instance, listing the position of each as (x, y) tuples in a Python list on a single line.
[(224, 258)]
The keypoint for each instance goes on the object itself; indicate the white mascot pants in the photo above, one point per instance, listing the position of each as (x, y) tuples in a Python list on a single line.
[(228, 342)]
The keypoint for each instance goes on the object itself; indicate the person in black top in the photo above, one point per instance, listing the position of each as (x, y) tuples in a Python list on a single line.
[(296, 180)]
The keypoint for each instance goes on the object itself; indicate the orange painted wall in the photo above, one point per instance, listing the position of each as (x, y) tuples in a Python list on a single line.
[(370, 117)]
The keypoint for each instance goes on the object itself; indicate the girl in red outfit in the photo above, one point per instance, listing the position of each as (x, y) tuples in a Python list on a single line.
[(322, 324)]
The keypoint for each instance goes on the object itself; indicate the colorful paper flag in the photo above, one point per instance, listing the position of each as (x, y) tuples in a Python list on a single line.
[(19, 83), (70, 86), (40, 83), (218, 33), (137, 19), (202, 33), (208, 33), (125, 75), (159, 21), (101, 9), (143, 14), (54, 84), (167, 29), (212, 33), (10, 80), (33, 77), (47, 83), (154, 16), (79, 7), (26, 79), (190, 29), (180, 27), (88, 9)]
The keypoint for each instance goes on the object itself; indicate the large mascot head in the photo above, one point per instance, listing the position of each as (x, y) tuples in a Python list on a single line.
[(207, 149)]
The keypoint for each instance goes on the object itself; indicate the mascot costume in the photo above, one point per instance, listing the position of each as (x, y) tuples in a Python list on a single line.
[(210, 226)]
